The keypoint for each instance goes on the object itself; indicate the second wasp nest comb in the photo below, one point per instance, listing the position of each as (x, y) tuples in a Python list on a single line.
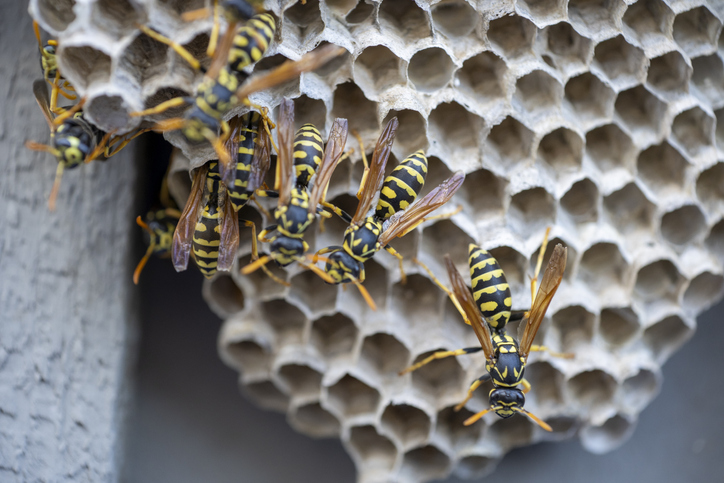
[(598, 118)]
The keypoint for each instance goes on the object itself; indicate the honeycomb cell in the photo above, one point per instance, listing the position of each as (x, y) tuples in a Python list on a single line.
[(694, 131), (592, 389), (649, 21), (538, 91), (439, 378), (703, 291), (404, 19), (581, 201), (379, 68), (663, 169), (360, 13), (145, 58), (589, 99), (696, 31), (618, 325), (629, 210), (410, 425), (110, 112), (445, 237), (602, 439), (484, 194), (531, 210), (300, 379), (376, 282), (575, 325), (710, 187), (475, 466), (667, 335), (336, 70), (118, 17), (309, 110), (250, 356), (352, 397), (639, 390), (455, 129), (642, 113), (658, 280), (418, 299), (264, 286), (513, 263), (543, 11), (162, 95), (334, 335), (180, 6), (454, 18), (377, 451), (562, 149), (424, 463), (303, 20), (708, 77), (269, 62), (286, 320), (84, 65), (715, 240), (568, 48), (621, 62), (314, 420), (450, 427), (719, 134), (267, 395), (572, 256), (610, 148), (341, 8), (58, 14), (309, 289), (223, 293), (563, 425), (603, 266), (669, 73), (683, 225), (546, 384), (384, 354), (512, 432), (350, 103), (410, 134), (595, 16), (512, 35), (483, 78), (509, 143)]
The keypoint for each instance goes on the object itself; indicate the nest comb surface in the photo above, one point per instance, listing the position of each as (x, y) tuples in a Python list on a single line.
[(598, 118)]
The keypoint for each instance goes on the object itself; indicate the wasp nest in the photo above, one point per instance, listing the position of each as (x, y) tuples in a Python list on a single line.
[(595, 117)]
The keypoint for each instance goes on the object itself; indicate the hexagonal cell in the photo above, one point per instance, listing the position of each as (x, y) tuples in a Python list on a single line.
[(532, 262), (649, 21), (610, 148), (663, 169), (710, 186), (250, 356), (620, 61), (450, 427), (300, 379), (350, 103), (581, 201), (512, 34), (178, 7), (309, 289), (640, 389), (309, 110), (546, 384), (697, 31), (595, 16), (683, 225), (438, 378), (58, 14), (715, 240), (312, 419), (334, 335), (224, 294), (694, 130), (265, 286), (117, 17), (379, 67), (286, 320), (618, 325), (537, 91), (475, 466), (352, 397), (162, 95), (544, 12), (514, 265), (629, 209), (588, 98), (575, 325), (483, 77), (719, 134), (509, 142), (642, 113), (455, 129), (341, 8), (418, 299), (603, 266), (84, 65), (531, 210), (708, 77), (666, 336), (304, 20), (445, 237), (405, 19), (592, 389), (487, 202), (610, 435), (269, 62), (569, 49), (658, 280), (360, 13), (669, 73), (410, 425), (267, 395), (454, 18), (377, 451), (424, 463), (384, 354), (145, 58), (562, 149), (512, 432), (410, 134), (703, 291)]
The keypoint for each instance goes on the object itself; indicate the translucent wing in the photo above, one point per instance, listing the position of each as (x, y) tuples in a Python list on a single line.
[(548, 285), (403, 221), (227, 171), (40, 91), (465, 298), (229, 242), (183, 236), (221, 55), (332, 152), (285, 156), (262, 157), (376, 174)]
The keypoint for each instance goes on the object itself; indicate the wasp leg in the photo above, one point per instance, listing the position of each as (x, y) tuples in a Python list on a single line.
[(476, 384), (364, 162), (445, 215), (69, 113), (263, 234), (395, 253), (214, 38), (441, 355), (526, 385), (337, 211), (542, 348), (163, 107), (111, 149), (255, 255), (185, 54)]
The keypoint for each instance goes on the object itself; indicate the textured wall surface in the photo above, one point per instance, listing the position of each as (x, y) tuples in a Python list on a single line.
[(66, 306)]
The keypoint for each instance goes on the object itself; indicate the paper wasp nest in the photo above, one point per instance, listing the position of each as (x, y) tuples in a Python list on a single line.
[(595, 117)]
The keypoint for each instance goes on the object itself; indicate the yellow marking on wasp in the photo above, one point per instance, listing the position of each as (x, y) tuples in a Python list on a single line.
[(491, 290), (487, 276), (482, 263), (412, 171), (488, 306)]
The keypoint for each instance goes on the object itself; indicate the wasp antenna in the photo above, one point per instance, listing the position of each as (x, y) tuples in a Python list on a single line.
[(252, 267), (56, 186), (33, 146), (321, 273), (365, 294), (142, 263), (535, 419), (475, 417)]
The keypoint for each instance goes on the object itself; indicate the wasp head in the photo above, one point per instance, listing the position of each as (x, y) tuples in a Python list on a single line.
[(506, 401)]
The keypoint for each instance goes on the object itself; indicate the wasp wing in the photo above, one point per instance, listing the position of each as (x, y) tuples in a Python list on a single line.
[(465, 298), (229, 242), (40, 91), (227, 171), (548, 285), (262, 157), (183, 235), (376, 174), (221, 55), (332, 152), (285, 156), (403, 221)]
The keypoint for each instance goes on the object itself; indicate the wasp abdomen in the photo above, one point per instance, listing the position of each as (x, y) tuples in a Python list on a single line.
[(490, 288), (308, 153), (402, 186), (251, 41)]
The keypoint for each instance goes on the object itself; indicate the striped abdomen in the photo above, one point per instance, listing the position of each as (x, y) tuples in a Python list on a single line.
[(207, 233), (402, 186), (490, 288), (251, 41), (247, 140), (308, 152)]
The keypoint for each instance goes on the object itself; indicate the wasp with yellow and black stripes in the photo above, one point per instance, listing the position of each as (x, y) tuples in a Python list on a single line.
[(395, 214), (505, 358), (300, 158), (51, 73)]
